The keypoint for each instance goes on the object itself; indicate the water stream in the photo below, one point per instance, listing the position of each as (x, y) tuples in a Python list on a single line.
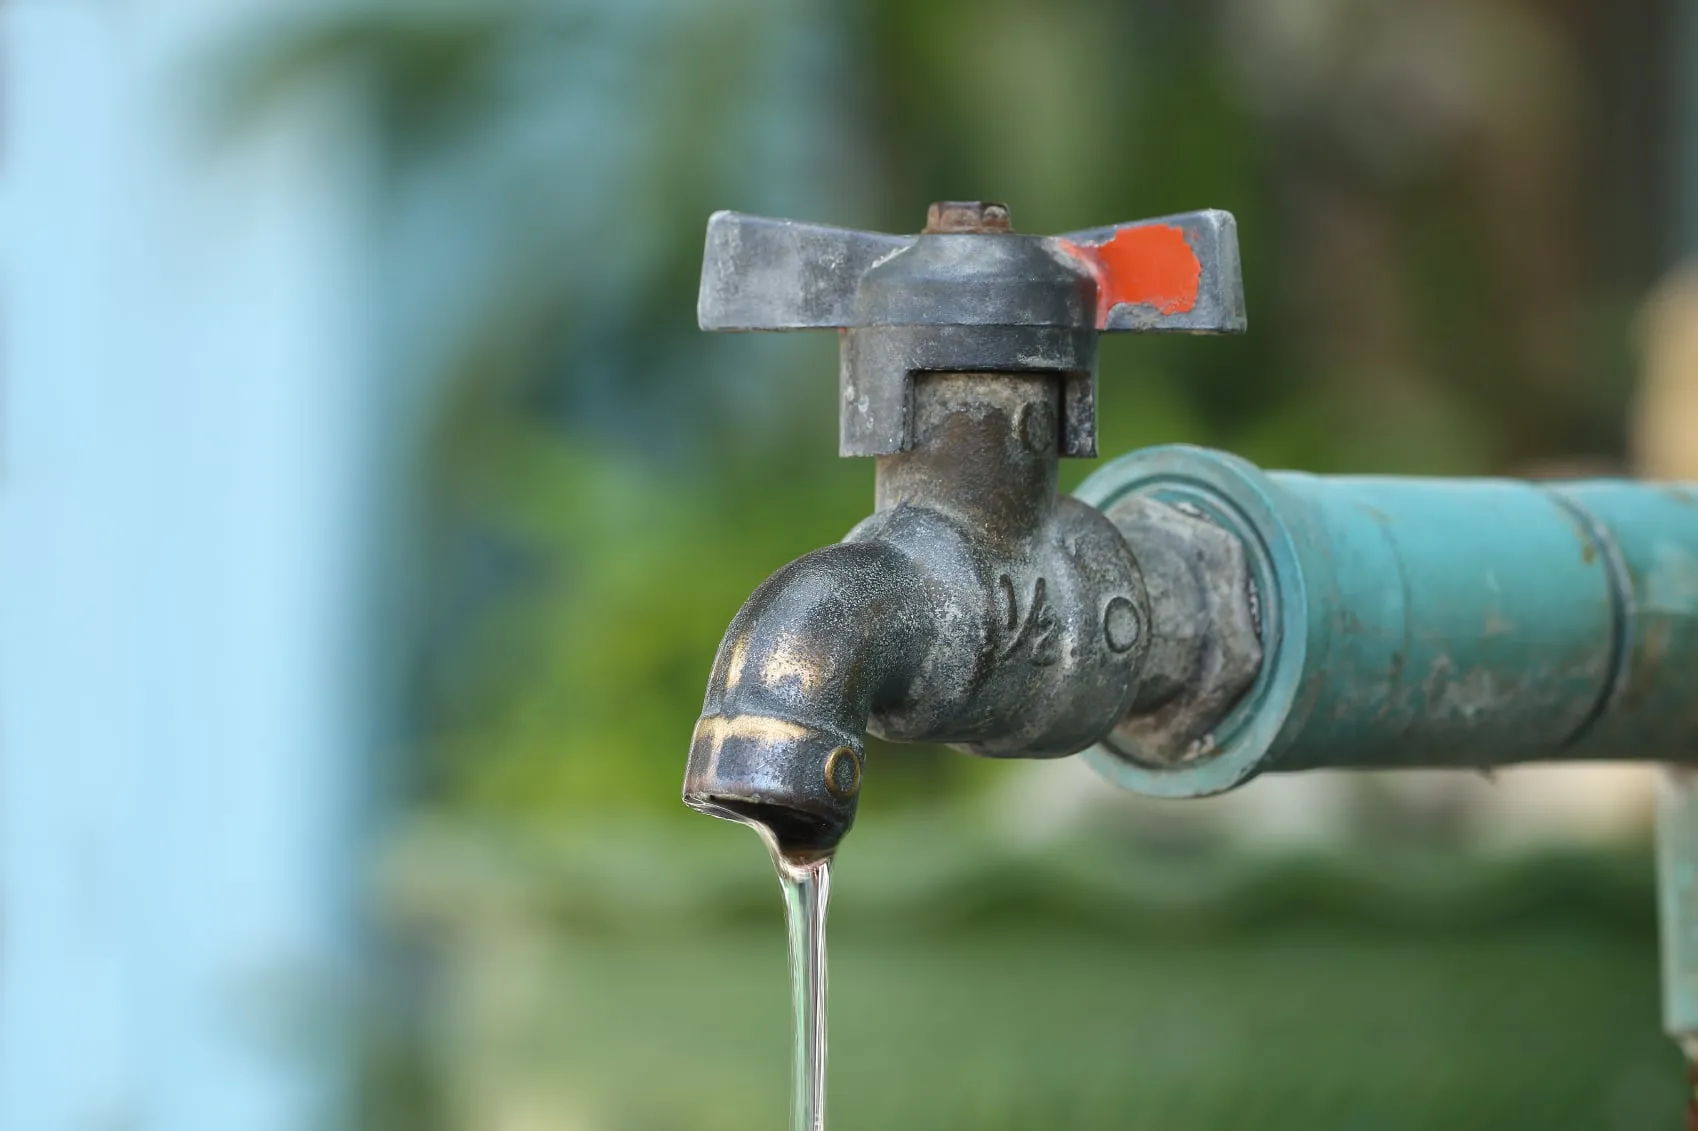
[(806, 882), (804, 876)]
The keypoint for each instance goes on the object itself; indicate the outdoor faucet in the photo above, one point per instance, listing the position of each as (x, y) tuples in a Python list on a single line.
[(1188, 620), (976, 606)]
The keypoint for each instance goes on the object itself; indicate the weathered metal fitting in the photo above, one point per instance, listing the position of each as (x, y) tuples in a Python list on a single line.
[(960, 301), (966, 295), (880, 366), (967, 216), (1409, 622), (1045, 622), (1205, 645), (976, 607)]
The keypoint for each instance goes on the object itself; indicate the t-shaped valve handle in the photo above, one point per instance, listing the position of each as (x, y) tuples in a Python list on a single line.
[(968, 295)]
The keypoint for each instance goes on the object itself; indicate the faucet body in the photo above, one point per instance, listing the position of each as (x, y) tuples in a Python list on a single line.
[(1039, 603), (976, 606)]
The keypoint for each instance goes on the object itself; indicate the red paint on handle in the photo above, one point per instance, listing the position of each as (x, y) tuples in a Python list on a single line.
[(1151, 265)]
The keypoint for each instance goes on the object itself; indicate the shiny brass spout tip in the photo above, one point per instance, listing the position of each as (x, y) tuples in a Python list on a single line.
[(799, 783)]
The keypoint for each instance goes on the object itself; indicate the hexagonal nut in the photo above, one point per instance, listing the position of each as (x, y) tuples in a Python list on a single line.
[(1205, 649)]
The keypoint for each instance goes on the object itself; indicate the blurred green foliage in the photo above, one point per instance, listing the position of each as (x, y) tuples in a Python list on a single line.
[(1427, 292), (1432, 287)]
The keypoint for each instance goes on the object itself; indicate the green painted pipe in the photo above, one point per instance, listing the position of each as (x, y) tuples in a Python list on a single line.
[(1439, 622)]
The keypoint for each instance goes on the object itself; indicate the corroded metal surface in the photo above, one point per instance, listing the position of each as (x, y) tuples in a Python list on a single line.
[(976, 607), (1425, 622), (967, 295), (1219, 622), (1205, 647), (967, 216)]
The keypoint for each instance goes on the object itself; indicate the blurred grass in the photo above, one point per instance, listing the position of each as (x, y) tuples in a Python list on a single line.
[(1039, 1028), (1081, 985), (1432, 288)]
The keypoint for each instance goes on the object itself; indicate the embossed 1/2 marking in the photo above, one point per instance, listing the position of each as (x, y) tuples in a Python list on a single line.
[(1039, 630)]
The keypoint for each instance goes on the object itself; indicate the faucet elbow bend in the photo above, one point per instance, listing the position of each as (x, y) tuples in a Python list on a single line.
[(819, 647)]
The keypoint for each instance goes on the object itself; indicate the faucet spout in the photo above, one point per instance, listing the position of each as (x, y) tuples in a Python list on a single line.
[(823, 644)]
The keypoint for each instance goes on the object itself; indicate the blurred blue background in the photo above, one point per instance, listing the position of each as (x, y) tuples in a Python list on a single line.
[(370, 509)]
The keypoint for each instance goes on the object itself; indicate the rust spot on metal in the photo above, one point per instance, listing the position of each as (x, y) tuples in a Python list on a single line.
[(1588, 552), (1149, 265), (966, 216)]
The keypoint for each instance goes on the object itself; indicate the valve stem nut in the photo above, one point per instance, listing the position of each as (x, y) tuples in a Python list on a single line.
[(967, 216)]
